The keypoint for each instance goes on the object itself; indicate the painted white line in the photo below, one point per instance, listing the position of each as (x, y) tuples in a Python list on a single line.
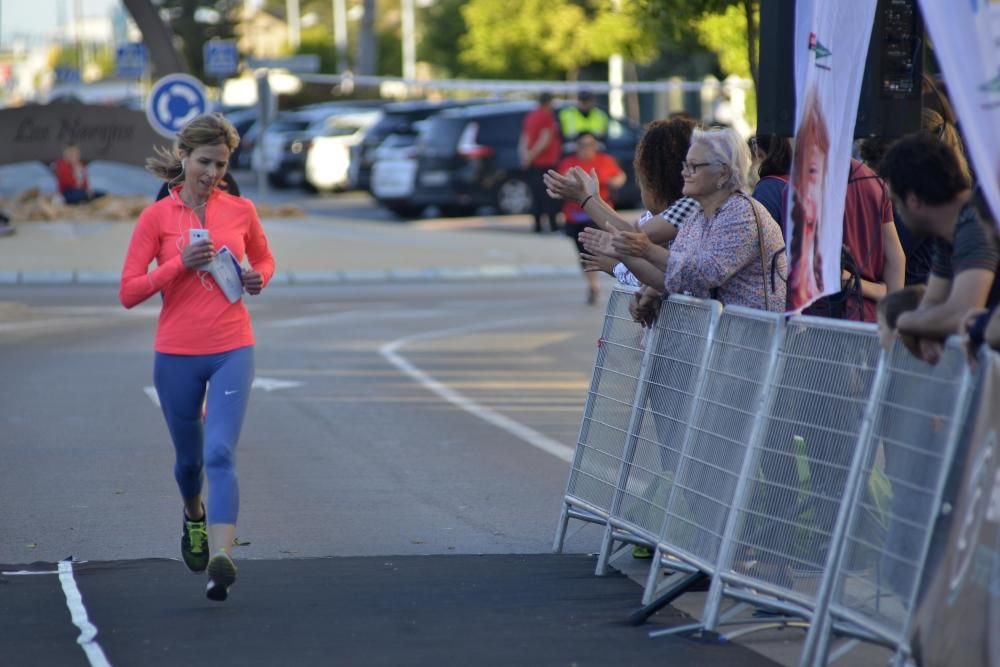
[(501, 421), (25, 573), (88, 633), (271, 384)]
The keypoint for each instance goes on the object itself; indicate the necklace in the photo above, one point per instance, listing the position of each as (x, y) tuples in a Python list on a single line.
[(193, 207)]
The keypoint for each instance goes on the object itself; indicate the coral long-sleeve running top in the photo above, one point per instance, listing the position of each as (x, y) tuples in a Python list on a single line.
[(196, 317)]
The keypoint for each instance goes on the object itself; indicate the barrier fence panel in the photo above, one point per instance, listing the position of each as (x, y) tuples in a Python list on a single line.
[(742, 353), (596, 466), (679, 348), (872, 584), (797, 470)]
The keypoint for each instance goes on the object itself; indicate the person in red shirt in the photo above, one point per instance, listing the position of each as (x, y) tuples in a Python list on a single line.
[(204, 342), (71, 177), (540, 148), (609, 177)]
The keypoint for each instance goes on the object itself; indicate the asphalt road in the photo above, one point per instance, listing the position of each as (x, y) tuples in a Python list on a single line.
[(389, 419)]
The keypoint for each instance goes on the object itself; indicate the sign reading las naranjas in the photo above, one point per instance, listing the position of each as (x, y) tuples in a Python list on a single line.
[(39, 132)]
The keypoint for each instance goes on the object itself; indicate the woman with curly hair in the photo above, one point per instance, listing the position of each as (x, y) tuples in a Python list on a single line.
[(657, 165)]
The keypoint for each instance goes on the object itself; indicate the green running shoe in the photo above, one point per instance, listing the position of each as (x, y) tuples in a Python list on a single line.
[(194, 544), (641, 552), (221, 575)]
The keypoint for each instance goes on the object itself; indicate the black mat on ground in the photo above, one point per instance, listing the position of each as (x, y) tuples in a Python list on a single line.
[(407, 610)]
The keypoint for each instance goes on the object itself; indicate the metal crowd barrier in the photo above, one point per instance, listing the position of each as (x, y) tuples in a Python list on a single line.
[(594, 473), (871, 585), (794, 462), (677, 351)]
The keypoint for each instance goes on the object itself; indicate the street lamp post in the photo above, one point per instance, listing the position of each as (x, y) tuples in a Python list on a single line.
[(340, 34), (409, 41)]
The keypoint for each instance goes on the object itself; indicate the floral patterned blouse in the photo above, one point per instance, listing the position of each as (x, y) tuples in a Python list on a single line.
[(723, 254)]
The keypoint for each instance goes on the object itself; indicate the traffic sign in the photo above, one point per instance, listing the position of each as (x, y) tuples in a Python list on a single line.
[(221, 57), (131, 60), (67, 75), (174, 101)]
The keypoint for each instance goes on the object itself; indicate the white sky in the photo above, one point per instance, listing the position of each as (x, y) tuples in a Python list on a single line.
[(38, 17)]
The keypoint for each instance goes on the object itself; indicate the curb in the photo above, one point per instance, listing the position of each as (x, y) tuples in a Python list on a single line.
[(346, 277)]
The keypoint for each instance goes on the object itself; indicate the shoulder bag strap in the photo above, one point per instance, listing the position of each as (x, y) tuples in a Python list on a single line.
[(760, 243)]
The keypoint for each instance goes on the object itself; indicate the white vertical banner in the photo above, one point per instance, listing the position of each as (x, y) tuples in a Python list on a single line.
[(831, 46), (966, 38)]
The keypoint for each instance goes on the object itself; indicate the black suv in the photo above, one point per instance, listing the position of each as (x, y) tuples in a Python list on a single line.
[(467, 158), (397, 118)]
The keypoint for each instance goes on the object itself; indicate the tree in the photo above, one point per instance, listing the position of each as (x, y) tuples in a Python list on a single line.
[(548, 38), (738, 21)]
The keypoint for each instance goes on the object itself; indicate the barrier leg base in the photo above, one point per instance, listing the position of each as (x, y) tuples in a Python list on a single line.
[(684, 585)]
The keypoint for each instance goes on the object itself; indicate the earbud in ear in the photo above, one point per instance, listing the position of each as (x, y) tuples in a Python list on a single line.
[(184, 164)]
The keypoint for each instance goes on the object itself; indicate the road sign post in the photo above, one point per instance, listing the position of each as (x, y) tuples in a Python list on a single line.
[(173, 101)]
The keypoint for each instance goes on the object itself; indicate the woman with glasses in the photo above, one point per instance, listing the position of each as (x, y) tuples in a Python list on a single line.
[(731, 249)]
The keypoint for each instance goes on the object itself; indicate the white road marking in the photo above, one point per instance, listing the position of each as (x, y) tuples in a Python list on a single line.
[(26, 573), (271, 384), (88, 633), (501, 421)]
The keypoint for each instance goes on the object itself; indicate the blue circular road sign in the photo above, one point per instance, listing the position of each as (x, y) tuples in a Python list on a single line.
[(174, 101)]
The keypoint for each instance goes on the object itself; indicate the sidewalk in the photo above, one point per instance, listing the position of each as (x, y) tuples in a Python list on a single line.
[(309, 250)]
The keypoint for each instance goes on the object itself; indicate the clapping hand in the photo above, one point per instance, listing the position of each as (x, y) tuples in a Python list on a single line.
[(599, 242), (632, 244), (575, 185), (598, 263)]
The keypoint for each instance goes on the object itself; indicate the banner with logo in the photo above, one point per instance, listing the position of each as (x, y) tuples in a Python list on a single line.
[(958, 607), (966, 38), (831, 45)]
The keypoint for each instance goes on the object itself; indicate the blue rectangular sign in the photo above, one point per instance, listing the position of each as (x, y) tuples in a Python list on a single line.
[(221, 57), (131, 60)]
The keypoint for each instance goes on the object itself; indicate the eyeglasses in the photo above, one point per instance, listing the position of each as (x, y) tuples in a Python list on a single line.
[(692, 167)]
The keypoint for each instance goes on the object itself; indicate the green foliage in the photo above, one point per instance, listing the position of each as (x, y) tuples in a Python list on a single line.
[(726, 35), (547, 38), (444, 26), (317, 40)]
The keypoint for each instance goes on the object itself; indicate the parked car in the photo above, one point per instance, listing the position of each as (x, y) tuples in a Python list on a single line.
[(393, 173), (242, 119), (398, 119), (329, 152), (282, 149), (467, 158)]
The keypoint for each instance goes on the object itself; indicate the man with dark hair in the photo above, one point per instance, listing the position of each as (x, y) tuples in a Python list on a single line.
[(933, 195), (540, 149)]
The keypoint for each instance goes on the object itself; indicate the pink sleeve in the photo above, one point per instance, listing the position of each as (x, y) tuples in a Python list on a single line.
[(138, 283), (258, 250)]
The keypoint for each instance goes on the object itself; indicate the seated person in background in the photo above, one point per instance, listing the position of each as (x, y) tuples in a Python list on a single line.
[(71, 177), (892, 306), (934, 197)]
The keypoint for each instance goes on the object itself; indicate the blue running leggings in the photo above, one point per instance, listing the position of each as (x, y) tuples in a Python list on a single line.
[(180, 382)]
